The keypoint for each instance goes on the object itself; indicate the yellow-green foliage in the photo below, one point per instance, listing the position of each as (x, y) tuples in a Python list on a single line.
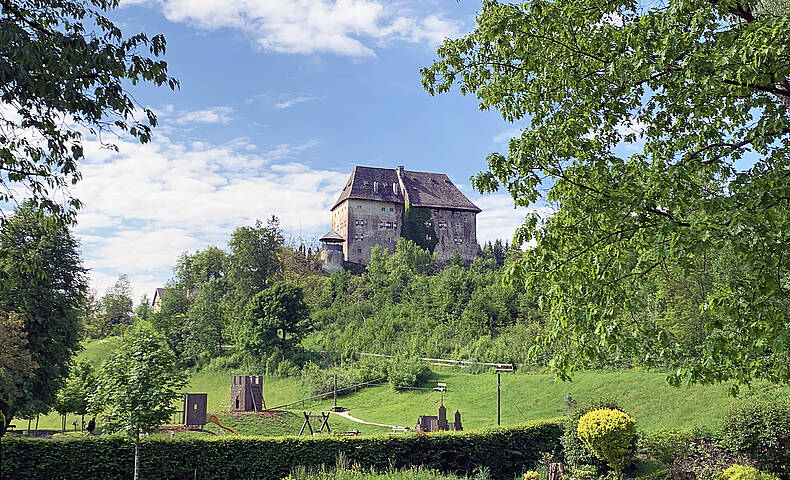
[(531, 475), (745, 472), (608, 434)]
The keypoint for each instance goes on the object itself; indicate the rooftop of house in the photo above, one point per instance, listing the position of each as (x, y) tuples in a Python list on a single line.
[(422, 189)]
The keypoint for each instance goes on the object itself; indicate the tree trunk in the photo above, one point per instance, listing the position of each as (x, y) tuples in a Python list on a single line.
[(137, 456)]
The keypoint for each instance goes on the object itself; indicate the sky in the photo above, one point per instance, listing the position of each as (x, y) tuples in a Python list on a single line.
[(278, 101)]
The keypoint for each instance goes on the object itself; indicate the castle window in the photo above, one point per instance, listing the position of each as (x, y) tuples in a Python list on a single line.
[(428, 237), (359, 207), (359, 223), (458, 227), (359, 250), (392, 209), (383, 209), (428, 224), (382, 224), (442, 224), (458, 240)]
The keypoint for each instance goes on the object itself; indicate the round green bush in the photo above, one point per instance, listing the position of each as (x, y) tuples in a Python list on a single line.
[(745, 472), (759, 429), (577, 455), (609, 434)]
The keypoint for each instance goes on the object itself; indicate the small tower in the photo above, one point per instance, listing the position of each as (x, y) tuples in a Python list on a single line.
[(457, 423), (443, 418), (332, 252), (246, 393)]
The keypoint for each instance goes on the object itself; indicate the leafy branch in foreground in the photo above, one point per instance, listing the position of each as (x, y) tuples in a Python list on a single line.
[(699, 91), (62, 71)]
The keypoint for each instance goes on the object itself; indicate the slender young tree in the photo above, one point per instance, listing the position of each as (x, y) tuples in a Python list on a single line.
[(138, 386)]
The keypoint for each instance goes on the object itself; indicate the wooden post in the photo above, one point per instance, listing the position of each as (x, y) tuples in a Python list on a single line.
[(335, 408), (498, 397)]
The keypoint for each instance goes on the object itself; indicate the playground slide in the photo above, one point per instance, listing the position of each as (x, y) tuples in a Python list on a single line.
[(214, 419)]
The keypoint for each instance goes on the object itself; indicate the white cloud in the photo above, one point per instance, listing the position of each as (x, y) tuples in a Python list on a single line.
[(208, 115), (342, 27), (504, 136), (148, 203), (294, 101), (499, 218)]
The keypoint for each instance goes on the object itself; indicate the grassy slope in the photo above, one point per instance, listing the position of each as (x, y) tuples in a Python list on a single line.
[(524, 397)]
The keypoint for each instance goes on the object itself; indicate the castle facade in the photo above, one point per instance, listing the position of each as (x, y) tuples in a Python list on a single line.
[(379, 205)]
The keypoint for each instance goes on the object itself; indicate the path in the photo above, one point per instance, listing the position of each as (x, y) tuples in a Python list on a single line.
[(348, 416)]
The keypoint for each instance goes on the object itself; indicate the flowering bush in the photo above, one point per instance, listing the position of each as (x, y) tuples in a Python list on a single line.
[(609, 435)]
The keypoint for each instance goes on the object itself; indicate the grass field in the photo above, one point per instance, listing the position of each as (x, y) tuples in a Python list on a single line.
[(645, 395)]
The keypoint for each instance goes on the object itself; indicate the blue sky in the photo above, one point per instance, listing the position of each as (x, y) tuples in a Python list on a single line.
[(278, 101)]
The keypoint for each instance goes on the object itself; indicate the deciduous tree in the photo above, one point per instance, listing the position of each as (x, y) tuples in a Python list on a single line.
[(45, 284), (277, 316), (16, 363), (138, 385), (659, 133)]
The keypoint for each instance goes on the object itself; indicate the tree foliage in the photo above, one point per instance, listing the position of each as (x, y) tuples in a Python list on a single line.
[(138, 385), (698, 91), (16, 363), (275, 317), (64, 71), (45, 285)]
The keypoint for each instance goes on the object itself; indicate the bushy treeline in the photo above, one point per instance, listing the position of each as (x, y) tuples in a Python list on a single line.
[(263, 305), (405, 304)]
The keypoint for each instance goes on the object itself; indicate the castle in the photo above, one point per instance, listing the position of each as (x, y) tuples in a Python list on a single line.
[(379, 205)]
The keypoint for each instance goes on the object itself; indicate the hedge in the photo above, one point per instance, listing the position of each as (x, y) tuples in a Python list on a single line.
[(505, 451)]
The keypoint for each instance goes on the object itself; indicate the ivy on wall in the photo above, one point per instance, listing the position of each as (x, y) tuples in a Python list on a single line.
[(418, 226)]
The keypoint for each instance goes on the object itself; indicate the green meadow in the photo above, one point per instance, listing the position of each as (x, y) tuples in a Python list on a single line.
[(524, 396)]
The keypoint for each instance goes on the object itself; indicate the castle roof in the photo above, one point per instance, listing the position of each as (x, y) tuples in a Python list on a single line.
[(396, 185)]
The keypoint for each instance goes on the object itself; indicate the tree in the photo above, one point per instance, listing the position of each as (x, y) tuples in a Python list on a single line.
[(254, 261), (45, 285), (200, 267), (696, 91), (64, 71), (277, 316), (117, 305), (74, 396), (208, 318), (16, 363), (138, 386), (144, 308)]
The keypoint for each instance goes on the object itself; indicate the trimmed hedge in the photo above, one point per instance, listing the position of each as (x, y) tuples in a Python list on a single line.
[(505, 451)]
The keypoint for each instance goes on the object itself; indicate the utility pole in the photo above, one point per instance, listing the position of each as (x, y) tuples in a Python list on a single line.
[(335, 407), (498, 395)]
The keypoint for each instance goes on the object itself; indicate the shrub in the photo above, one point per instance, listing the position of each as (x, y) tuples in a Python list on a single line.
[(318, 380), (505, 451), (531, 475), (609, 434), (577, 455), (666, 446), (745, 472), (402, 372), (759, 429)]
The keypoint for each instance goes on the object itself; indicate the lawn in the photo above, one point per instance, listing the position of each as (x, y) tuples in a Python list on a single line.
[(645, 395)]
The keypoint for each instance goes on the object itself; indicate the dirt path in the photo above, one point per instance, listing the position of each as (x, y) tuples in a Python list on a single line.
[(348, 416)]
